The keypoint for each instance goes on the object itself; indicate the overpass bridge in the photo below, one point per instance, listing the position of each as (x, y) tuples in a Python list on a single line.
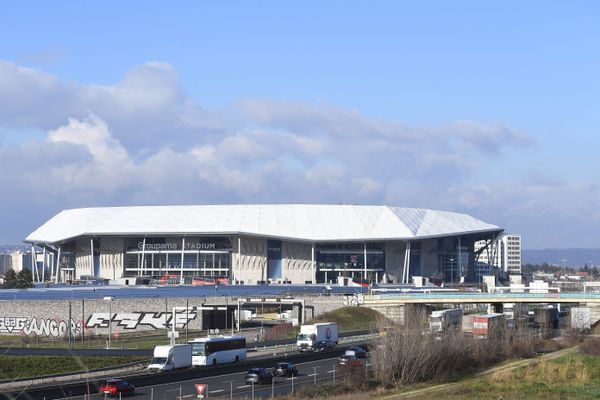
[(395, 305), (481, 298)]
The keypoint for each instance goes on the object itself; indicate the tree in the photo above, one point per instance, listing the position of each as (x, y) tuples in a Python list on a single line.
[(10, 279), (24, 279)]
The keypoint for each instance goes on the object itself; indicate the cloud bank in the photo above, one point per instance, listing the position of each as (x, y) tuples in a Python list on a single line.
[(143, 140)]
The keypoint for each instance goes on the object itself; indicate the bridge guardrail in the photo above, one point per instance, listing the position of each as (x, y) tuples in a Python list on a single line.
[(483, 296)]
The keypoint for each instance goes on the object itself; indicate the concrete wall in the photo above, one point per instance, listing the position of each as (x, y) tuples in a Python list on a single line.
[(296, 262), (50, 317), (394, 258), (111, 257), (394, 313), (252, 260), (83, 258)]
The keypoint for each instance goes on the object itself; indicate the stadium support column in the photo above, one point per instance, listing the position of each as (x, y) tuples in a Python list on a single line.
[(239, 261), (43, 265), (365, 261), (459, 260), (143, 256), (491, 256), (182, 256), (52, 264), (313, 264), (406, 268), (92, 255), (33, 262), (56, 277)]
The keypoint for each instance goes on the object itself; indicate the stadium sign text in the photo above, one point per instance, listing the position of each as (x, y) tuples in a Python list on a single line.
[(174, 246)]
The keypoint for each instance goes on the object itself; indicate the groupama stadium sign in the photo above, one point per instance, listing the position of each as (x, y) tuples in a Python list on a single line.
[(176, 246)]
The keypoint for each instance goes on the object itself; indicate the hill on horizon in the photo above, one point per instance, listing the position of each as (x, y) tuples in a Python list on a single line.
[(572, 257)]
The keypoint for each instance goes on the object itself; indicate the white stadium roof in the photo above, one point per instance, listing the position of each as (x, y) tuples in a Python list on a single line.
[(306, 222)]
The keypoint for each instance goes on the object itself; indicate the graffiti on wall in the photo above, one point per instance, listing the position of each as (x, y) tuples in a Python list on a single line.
[(52, 327), (133, 320)]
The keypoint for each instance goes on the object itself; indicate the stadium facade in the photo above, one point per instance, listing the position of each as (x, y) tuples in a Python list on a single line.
[(284, 243)]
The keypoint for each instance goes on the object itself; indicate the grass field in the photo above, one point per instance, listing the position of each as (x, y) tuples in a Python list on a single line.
[(351, 319), (12, 367), (573, 376)]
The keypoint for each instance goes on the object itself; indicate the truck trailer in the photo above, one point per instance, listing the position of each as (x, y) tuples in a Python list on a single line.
[(171, 357), (487, 325), (317, 336), (444, 320)]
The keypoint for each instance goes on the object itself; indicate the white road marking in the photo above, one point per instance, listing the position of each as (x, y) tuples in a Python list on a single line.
[(217, 391), (329, 372), (311, 375), (242, 387)]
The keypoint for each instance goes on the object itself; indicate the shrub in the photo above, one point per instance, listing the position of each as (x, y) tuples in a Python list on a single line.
[(590, 346), (410, 355)]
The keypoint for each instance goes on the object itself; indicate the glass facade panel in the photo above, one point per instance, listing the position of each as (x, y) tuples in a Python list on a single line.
[(274, 259), (347, 259), (158, 256)]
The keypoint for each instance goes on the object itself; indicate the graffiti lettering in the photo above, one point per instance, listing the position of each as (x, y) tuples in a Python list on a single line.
[(132, 320), (12, 324), (38, 326)]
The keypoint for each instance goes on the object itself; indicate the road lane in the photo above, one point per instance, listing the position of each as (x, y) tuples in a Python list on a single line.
[(235, 386)]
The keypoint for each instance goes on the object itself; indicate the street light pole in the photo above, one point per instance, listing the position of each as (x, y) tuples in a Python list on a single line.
[(109, 322), (452, 270)]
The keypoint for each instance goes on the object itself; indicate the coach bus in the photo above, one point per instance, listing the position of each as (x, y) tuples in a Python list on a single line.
[(218, 349)]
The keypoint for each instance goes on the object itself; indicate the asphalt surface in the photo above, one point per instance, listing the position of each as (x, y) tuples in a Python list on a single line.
[(233, 385), (46, 351), (164, 385)]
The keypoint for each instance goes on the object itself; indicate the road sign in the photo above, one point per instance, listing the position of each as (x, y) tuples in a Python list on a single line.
[(200, 387), (171, 334)]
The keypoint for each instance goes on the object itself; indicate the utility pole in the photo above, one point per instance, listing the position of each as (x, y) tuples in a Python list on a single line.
[(70, 327)]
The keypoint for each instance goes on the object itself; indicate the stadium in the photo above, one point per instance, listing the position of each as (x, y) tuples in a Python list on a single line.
[(253, 244)]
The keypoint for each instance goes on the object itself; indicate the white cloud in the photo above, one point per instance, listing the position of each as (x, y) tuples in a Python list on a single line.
[(144, 141)]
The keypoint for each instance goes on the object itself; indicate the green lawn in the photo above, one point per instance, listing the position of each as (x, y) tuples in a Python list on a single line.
[(12, 367)]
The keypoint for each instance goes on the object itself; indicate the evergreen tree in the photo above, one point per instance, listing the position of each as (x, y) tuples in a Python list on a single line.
[(24, 279), (10, 279)]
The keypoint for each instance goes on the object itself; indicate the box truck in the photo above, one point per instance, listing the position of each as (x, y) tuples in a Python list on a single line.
[(317, 336), (444, 320), (170, 357), (488, 324)]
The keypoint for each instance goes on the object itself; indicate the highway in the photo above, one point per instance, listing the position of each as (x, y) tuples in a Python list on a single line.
[(233, 385), (168, 385)]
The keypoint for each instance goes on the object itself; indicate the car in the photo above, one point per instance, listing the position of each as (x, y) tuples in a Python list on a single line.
[(259, 376), (359, 352), (116, 386), (347, 360), (285, 369), (324, 345)]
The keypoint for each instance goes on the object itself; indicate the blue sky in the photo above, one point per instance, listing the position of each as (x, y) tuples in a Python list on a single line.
[(490, 109)]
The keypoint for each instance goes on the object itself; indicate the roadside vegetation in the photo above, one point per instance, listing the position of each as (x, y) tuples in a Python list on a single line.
[(13, 367), (351, 319), (409, 362)]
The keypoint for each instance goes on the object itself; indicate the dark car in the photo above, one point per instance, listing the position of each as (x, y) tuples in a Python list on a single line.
[(285, 369), (114, 387), (347, 360), (259, 376), (324, 345), (358, 352)]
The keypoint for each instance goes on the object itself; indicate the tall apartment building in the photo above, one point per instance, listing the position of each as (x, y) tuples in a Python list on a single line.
[(5, 262), (20, 260), (507, 253)]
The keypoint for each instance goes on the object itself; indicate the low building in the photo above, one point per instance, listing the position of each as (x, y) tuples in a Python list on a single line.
[(262, 243)]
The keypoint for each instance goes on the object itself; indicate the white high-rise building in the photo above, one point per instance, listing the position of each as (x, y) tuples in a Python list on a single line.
[(507, 253)]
